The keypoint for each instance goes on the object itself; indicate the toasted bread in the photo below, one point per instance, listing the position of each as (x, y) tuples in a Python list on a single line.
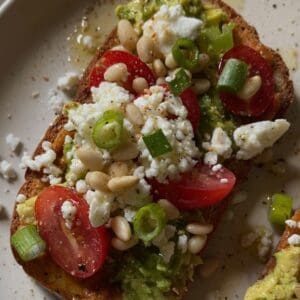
[(44, 270)]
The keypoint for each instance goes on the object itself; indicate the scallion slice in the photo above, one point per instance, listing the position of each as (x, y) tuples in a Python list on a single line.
[(180, 83), (157, 143), (107, 132), (233, 76), (27, 242), (186, 53), (281, 209), (149, 221)]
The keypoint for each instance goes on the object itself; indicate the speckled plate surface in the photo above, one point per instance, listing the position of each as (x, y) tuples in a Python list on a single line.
[(34, 53)]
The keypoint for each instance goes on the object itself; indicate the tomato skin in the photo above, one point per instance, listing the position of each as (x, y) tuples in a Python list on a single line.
[(136, 68), (80, 251), (263, 99), (190, 101), (196, 189)]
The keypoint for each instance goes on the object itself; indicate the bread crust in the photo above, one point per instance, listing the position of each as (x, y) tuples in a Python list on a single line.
[(44, 270)]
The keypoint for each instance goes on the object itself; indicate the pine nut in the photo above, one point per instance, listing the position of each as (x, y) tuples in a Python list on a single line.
[(160, 80), (159, 68), (91, 159), (123, 246), (187, 72), (171, 211), (121, 228), (140, 84), (196, 243), (127, 35), (116, 73), (209, 267), (118, 169), (146, 49), (170, 62), (97, 180), (120, 48), (126, 152), (250, 88), (201, 86), (134, 114), (199, 229), (120, 184)]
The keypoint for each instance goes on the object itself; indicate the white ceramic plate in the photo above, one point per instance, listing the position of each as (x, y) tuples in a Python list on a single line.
[(34, 47)]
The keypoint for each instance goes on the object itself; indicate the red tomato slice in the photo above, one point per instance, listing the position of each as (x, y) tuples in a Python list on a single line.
[(136, 68), (190, 101), (81, 250), (261, 101), (199, 188)]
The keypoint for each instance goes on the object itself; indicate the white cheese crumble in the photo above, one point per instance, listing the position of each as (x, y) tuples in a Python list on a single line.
[(100, 207), (156, 107), (210, 158), (68, 211), (13, 142), (291, 223), (182, 243), (254, 138), (81, 186), (21, 198), (69, 82), (7, 170), (168, 25), (129, 214), (88, 42), (43, 162), (56, 101), (294, 240)]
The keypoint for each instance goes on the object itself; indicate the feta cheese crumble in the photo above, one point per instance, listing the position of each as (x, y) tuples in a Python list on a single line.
[(168, 25), (68, 211), (21, 198), (291, 223), (69, 82), (254, 138), (7, 170), (13, 142), (294, 240)]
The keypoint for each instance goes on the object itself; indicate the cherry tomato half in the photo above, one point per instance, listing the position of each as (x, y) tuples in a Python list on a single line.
[(136, 68), (261, 101), (190, 101), (81, 250), (199, 188)]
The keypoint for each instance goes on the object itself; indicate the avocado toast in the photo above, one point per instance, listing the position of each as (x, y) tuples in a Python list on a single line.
[(281, 275), (105, 284)]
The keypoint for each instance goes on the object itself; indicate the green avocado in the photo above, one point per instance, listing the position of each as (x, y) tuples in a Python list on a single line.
[(281, 283), (138, 11)]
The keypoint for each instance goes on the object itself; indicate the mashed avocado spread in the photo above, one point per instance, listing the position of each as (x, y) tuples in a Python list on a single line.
[(281, 283)]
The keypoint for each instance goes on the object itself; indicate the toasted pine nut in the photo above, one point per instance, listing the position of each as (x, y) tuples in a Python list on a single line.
[(121, 228), (127, 35), (118, 169), (250, 88), (159, 68), (201, 86), (173, 72), (116, 73), (120, 184), (199, 229), (91, 159), (126, 152), (209, 267), (97, 180), (123, 246), (120, 48), (140, 84), (146, 49), (170, 62), (196, 243), (134, 114), (171, 211)]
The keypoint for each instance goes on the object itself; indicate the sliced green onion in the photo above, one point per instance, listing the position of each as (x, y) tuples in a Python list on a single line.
[(107, 132), (180, 83), (281, 209), (149, 221), (27, 242), (186, 53), (233, 76), (157, 143)]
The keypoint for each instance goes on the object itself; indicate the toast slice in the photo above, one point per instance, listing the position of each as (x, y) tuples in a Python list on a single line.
[(44, 270)]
